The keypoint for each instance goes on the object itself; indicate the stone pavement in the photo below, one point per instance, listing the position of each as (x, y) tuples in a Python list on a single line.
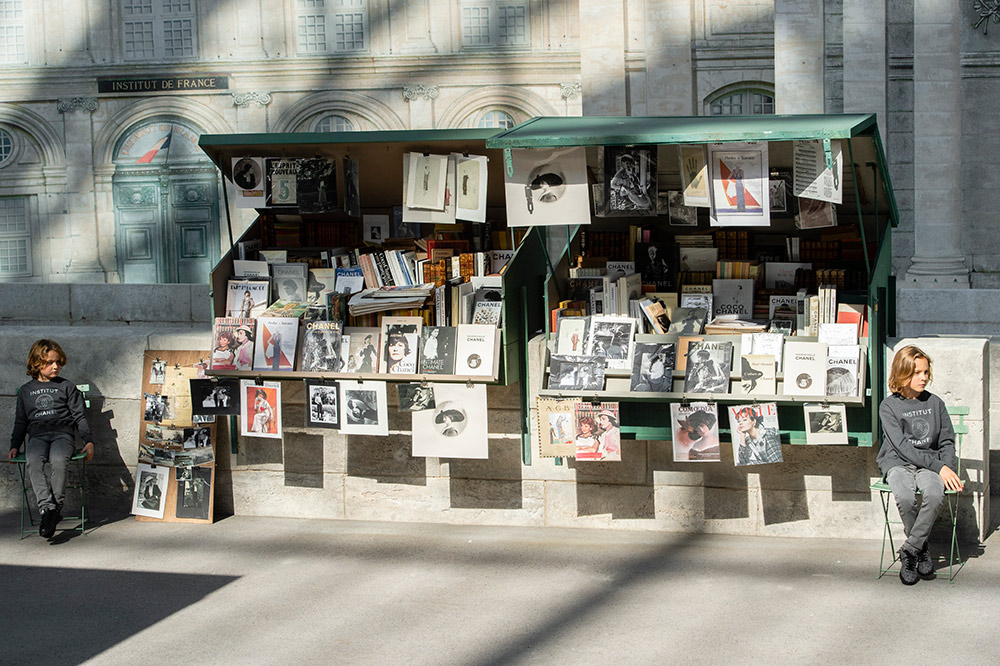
[(274, 590)]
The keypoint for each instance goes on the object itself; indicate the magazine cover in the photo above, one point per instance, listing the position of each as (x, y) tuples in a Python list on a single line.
[(581, 373), (323, 398), (694, 176), (653, 263), (756, 436), (487, 306), (708, 367), (456, 426), (274, 348), (437, 350), (842, 367), (653, 366), (281, 176), (629, 181), (364, 410), (247, 299), (224, 336), (260, 413), (598, 436), (475, 351), (415, 397), (321, 347), (556, 429), (216, 396), (349, 280), (739, 184), (612, 338), (316, 185), (695, 432), (571, 335), (363, 351), (150, 490), (400, 345), (825, 424), (548, 187)]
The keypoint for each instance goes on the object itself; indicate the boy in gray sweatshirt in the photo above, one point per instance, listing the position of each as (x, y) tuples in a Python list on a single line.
[(917, 456)]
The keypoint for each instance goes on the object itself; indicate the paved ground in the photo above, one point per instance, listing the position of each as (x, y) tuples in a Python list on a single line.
[(275, 591)]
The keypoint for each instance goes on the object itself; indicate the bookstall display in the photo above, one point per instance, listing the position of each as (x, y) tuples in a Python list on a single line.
[(729, 264)]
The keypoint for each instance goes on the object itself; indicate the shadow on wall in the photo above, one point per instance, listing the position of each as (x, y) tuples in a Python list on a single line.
[(109, 479)]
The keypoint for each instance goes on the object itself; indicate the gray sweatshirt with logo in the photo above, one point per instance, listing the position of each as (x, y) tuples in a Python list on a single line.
[(916, 431), (46, 407)]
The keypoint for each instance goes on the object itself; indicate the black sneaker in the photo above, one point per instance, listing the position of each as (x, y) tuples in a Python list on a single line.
[(47, 528), (925, 567), (908, 567)]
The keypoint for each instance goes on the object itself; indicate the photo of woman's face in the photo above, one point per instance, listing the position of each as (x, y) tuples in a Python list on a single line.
[(744, 423), (397, 350)]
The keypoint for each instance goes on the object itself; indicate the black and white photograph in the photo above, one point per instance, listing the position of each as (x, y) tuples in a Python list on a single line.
[(375, 228), (780, 192), (363, 408), (323, 397), (363, 349), (611, 338), (158, 371), (321, 347), (653, 262), (437, 350), (197, 438), (708, 367), (155, 407), (548, 187), (577, 373), (415, 397), (316, 185), (653, 367), (630, 181), (150, 490), (218, 396), (352, 192), (194, 492), (456, 426), (688, 321), (400, 345), (426, 181), (755, 432), (153, 433), (248, 176), (825, 423), (680, 214)]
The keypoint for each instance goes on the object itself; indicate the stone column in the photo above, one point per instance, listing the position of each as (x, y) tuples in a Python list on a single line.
[(84, 261), (865, 59), (602, 62), (799, 44), (670, 75), (421, 100), (937, 141)]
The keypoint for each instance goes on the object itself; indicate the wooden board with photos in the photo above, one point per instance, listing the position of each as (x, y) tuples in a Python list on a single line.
[(176, 471)]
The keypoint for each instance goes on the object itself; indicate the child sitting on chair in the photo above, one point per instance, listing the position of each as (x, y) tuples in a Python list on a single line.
[(917, 456), (49, 411)]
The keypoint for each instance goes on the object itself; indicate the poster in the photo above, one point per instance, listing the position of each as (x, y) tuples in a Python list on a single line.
[(470, 187), (281, 176), (556, 431), (456, 426), (260, 413), (248, 177), (812, 178), (425, 181), (739, 184), (549, 187), (694, 177)]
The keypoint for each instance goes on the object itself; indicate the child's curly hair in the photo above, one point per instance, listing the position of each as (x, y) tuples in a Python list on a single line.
[(903, 364), (37, 356)]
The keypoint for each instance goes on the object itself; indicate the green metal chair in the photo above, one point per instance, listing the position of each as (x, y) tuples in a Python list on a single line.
[(78, 457), (885, 493)]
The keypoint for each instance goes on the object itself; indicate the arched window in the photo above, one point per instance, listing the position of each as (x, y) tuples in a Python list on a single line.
[(6, 146), (755, 101), (495, 118), (333, 123)]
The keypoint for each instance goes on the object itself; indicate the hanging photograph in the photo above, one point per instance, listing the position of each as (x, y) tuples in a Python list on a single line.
[(680, 214), (321, 347), (323, 398), (281, 176), (694, 176), (352, 191), (825, 424), (756, 437), (695, 428), (739, 184), (248, 177), (260, 411), (815, 214), (456, 426), (275, 345), (470, 188), (708, 367), (548, 187), (653, 367), (598, 436), (156, 407), (576, 373), (375, 228), (316, 185), (400, 345), (556, 431), (197, 438), (611, 338), (415, 397), (217, 396), (812, 177), (363, 408), (425, 184), (247, 299), (629, 181), (363, 350), (437, 350), (779, 187), (150, 490), (194, 492)]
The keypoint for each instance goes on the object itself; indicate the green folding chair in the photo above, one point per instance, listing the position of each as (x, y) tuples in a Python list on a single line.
[(28, 518), (885, 493)]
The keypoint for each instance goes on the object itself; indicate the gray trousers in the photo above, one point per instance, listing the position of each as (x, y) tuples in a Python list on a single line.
[(918, 518), (56, 449)]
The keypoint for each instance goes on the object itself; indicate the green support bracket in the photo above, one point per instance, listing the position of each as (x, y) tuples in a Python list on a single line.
[(234, 442), (84, 389), (525, 413), (857, 202)]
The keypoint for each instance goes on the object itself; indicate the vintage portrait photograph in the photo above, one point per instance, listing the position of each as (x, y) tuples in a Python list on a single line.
[(323, 398), (825, 424), (363, 350), (150, 490), (611, 338), (629, 181), (456, 426), (260, 415), (576, 372), (316, 185), (375, 228), (155, 407), (364, 409), (415, 397), (215, 396), (321, 347), (653, 367), (708, 367), (194, 492)]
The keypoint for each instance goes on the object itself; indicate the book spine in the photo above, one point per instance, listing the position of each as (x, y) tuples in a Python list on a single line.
[(382, 270)]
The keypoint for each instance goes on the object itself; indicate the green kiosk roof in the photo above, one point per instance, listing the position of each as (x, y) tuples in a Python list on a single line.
[(631, 130)]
